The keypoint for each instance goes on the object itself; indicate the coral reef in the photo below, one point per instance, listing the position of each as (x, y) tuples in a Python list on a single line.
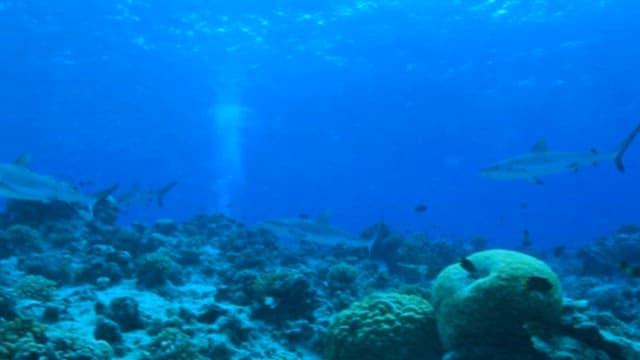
[(213, 288), (488, 298), (342, 277), (21, 336), (282, 296), (20, 239), (172, 344), (586, 335), (604, 256), (56, 267), (35, 287), (7, 306), (384, 327), (157, 269)]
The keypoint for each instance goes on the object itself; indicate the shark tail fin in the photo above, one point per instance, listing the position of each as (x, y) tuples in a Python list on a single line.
[(101, 195), (622, 148), (163, 191)]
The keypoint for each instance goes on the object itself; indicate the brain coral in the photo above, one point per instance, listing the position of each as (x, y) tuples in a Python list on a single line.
[(384, 327), (487, 298)]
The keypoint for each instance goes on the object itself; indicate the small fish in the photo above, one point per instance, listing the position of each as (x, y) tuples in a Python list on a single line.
[(540, 162), (524, 205), (421, 208), (468, 265), (538, 283), (526, 240)]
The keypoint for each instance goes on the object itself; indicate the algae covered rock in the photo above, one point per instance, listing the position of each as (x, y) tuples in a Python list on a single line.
[(488, 298), (384, 327)]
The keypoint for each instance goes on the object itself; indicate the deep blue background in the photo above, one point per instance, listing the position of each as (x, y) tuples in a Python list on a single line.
[(363, 108)]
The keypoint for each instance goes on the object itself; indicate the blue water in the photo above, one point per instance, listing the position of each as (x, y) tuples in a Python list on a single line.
[(265, 109)]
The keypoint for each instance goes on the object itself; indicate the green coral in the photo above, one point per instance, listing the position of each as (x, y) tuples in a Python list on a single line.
[(22, 237), (172, 344), (21, 336), (27, 349), (35, 287), (282, 296), (490, 300), (266, 283), (67, 346), (342, 276), (384, 327), (156, 269), (25, 338), (279, 284)]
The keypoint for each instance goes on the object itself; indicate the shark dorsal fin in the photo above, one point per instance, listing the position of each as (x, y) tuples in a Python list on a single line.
[(23, 160), (540, 146), (323, 217)]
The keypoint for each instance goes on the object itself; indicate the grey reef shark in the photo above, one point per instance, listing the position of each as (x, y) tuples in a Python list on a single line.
[(540, 162), (19, 182), (316, 231), (137, 195)]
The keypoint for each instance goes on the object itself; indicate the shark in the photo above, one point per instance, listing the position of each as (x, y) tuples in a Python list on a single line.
[(139, 196), (540, 161), (19, 182), (313, 230)]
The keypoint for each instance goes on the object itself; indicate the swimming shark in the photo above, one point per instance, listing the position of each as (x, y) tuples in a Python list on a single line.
[(539, 162), (315, 231), (139, 196), (19, 182)]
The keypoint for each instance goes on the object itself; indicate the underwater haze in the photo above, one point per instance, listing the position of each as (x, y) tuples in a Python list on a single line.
[(319, 180), (269, 109)]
